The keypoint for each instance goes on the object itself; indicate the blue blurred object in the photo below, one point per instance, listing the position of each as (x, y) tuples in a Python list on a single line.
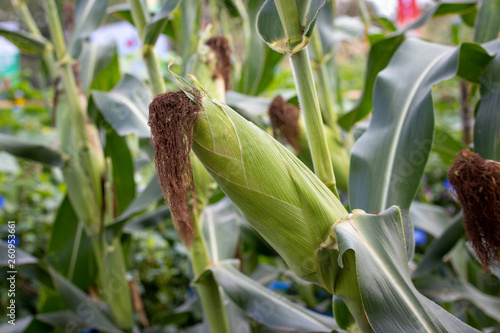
[(92, 330), (16, 241), (191, 293), (279, 285), (420, 237), (447, 185), (2, 201)]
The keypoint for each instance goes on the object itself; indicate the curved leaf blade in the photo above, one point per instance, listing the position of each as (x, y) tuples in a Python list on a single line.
[(385, 286), (125, 106), (29, 150), (88, 17), (267, 307), (25, 41), (388, 160), (433, 257), (221, 227), (487, 125), (157, 24), (382, 51)]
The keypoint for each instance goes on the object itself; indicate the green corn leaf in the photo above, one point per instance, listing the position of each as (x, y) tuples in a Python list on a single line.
[(265, 306), (221, 228), (380, 54), (151, 194), (147, 221), (291, 30), (487, 23), (432, 219), (433, 257), (388, 295), (112, 282), (123, 174), (382, 51), (451, 290), (88, 17), (258, 70), (388, 160), (25, 41), (99, 66), (487, 124), (81, 304), (446, 146), (158, 22), (29, 150), (125, 106), (22, 258), (70, 250), (121, 11)]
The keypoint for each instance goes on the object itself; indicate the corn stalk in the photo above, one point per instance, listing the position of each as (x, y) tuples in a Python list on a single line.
[(84, 171)]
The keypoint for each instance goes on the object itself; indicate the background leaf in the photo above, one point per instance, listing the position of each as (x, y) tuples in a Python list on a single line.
[(388, 160), (88, 17), (487, 125), (379, 249), (25, 41), (267, 307), (157, 23), (29, 150), (70, 250), (99, 66), (221, 228), (126, 106)]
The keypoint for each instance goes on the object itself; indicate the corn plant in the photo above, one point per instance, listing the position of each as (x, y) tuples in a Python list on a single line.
[(208, 143)]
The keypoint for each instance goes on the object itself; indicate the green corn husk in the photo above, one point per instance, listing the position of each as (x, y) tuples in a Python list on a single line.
[(277, 194)]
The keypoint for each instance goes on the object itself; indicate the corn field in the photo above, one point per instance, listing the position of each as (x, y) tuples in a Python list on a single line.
[(282, 204)]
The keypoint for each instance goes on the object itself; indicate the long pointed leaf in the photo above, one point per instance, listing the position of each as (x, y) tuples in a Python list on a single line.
[(487, 125), (157, 24), (29, 150), (125, 106), (388, 160), (88, 17), (391, 301), (26, 42), (267, 307), (221, 229)]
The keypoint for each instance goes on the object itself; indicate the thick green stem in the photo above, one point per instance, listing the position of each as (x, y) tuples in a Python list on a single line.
[(208, 289), (309, 103), (154, 70), (139, 15), (325, 86), (83, 144)]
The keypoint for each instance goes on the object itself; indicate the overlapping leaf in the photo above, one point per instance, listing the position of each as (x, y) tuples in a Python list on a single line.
[(267, 307), (388, 160), (125, 107), (386, 290)]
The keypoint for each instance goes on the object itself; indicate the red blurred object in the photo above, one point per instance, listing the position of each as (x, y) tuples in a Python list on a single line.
[(408, 11)]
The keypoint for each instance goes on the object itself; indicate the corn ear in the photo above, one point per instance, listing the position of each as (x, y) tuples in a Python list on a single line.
[(277, 194)]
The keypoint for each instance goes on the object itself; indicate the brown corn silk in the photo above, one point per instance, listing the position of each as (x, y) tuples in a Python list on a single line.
[(285, 121), (171, 117), (220, 46), (477, 185)]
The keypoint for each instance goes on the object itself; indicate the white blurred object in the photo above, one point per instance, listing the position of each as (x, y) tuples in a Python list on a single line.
[(10, 56), (128, 44)]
